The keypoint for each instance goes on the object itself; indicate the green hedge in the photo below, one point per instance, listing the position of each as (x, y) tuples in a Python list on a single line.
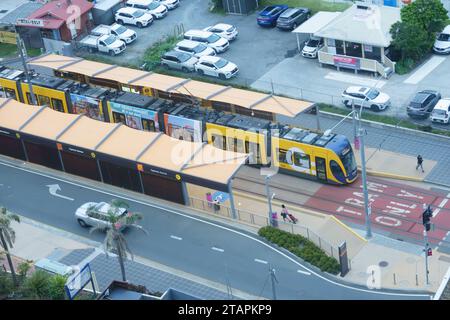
[(301, 247)]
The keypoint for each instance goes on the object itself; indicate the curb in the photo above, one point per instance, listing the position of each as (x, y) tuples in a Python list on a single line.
[(348, 228), (392, 176), (375, 124)]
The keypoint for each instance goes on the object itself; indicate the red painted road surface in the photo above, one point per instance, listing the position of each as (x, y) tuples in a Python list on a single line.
[(395, 207)]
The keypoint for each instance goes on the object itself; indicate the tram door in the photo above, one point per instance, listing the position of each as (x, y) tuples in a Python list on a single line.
[(321, 169)]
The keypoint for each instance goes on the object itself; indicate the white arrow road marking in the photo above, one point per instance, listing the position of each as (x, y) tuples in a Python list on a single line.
[(261, 261), (217, 249), (304, 272), (53, 188), (176, 238)]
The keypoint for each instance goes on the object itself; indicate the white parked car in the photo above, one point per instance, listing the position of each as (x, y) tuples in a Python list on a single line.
[(97, 216), (118, 30), (133, 16), (442, 43), (216, 67), (107, 44), (195, 48), (212, 40), (156, 9), (170, 4), (312, 47), (441, 111), (224, 30), (179, 60), (366, 97)]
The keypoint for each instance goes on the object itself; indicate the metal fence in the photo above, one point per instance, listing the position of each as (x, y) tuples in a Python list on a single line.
[(262, 221)]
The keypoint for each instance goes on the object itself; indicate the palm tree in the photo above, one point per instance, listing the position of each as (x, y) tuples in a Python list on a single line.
[(115, 239), (7, 237)]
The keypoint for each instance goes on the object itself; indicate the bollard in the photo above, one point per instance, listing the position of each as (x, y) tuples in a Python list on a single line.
[(417, 280), (394, 279)]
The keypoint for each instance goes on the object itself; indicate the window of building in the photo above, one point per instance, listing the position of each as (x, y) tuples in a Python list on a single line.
[(353, 49), (339, 47), (371, 52)]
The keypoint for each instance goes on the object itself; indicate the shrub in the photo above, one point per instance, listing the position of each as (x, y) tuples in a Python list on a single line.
[(56, 288), (6, 283), (37, 285), (301, 247)]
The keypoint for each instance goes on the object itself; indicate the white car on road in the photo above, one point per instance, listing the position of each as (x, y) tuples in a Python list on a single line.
[(195, 48), (133, 16), (366, 97), (156, 9), (216, 67), (93, 214), (224, 30)]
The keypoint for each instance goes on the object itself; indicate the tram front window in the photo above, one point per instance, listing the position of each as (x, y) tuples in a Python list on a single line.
[(348, 160)]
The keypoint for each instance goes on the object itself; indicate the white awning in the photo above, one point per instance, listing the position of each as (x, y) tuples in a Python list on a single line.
[(316, 22)]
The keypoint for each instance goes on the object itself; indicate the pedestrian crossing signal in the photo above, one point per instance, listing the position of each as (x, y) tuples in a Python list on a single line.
[(429, 252)]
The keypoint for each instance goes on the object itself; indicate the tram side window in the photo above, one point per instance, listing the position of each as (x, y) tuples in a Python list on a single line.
[(119, 117), (57, 105), (29, 98), (43, 101), (240, 146), (282, 156), (337, 171), (148, 125), (301, 160), (219, 141), (231, 143), (254, 150), (7, 93)]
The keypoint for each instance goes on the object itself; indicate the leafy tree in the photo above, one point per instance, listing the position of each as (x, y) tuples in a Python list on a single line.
[(37, 285), (430, 15), (410, 40), (7, 238), (115, 239)]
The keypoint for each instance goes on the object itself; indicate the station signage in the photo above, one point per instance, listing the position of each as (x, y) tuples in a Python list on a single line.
[(30, 22)]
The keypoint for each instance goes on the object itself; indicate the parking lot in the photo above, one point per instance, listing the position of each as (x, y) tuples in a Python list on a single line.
[(255, 51), (268, 60)]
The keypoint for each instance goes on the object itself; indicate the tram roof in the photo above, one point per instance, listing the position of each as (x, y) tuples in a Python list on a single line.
[(194, 159), (240, 97)]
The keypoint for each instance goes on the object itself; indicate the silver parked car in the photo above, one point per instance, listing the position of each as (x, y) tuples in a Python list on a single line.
[(178, 60), (93, 214)]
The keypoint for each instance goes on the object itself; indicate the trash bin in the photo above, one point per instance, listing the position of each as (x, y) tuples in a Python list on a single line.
[(274, 219)]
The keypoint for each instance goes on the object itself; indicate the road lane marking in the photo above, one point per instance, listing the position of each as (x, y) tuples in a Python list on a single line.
[(362, 81), (435, 212), (164, 209), (448, 196), (261, 261), (441, 205), (54, 188), (304, 272), (423, 71), (176, 238), (217, 249)]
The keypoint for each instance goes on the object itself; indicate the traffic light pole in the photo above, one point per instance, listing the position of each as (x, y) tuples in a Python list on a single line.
[(425, 237)]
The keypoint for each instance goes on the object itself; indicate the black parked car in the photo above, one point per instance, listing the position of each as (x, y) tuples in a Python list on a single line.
[(293, 17), (423, 103)]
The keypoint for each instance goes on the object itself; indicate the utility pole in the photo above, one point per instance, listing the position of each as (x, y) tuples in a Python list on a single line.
[(426, 220), (273, 280), (367, 210), (425, 238), (23, 53), (355, 130), (269, 199)]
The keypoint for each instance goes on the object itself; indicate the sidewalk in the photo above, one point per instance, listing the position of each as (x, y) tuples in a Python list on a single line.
[(35, 241)]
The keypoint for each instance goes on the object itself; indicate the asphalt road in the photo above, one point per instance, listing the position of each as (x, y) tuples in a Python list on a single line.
[(188, 243)]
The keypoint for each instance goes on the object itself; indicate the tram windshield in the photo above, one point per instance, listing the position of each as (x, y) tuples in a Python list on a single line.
[(348, 159)]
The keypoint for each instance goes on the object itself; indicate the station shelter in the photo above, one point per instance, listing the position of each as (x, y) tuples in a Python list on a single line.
[(146, 162)]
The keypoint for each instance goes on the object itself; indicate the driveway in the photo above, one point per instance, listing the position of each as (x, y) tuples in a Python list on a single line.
[(305, 79)]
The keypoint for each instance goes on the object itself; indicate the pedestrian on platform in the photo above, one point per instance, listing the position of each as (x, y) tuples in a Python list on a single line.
[(420, 163), (284, 212)]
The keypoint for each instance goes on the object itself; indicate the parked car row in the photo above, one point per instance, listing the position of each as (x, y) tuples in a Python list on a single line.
[(282, 17), (198, 52), (142, 13)]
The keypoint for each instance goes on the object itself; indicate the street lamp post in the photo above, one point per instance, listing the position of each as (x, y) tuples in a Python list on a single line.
[(269, 199), (364, 182), (425, 238)]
